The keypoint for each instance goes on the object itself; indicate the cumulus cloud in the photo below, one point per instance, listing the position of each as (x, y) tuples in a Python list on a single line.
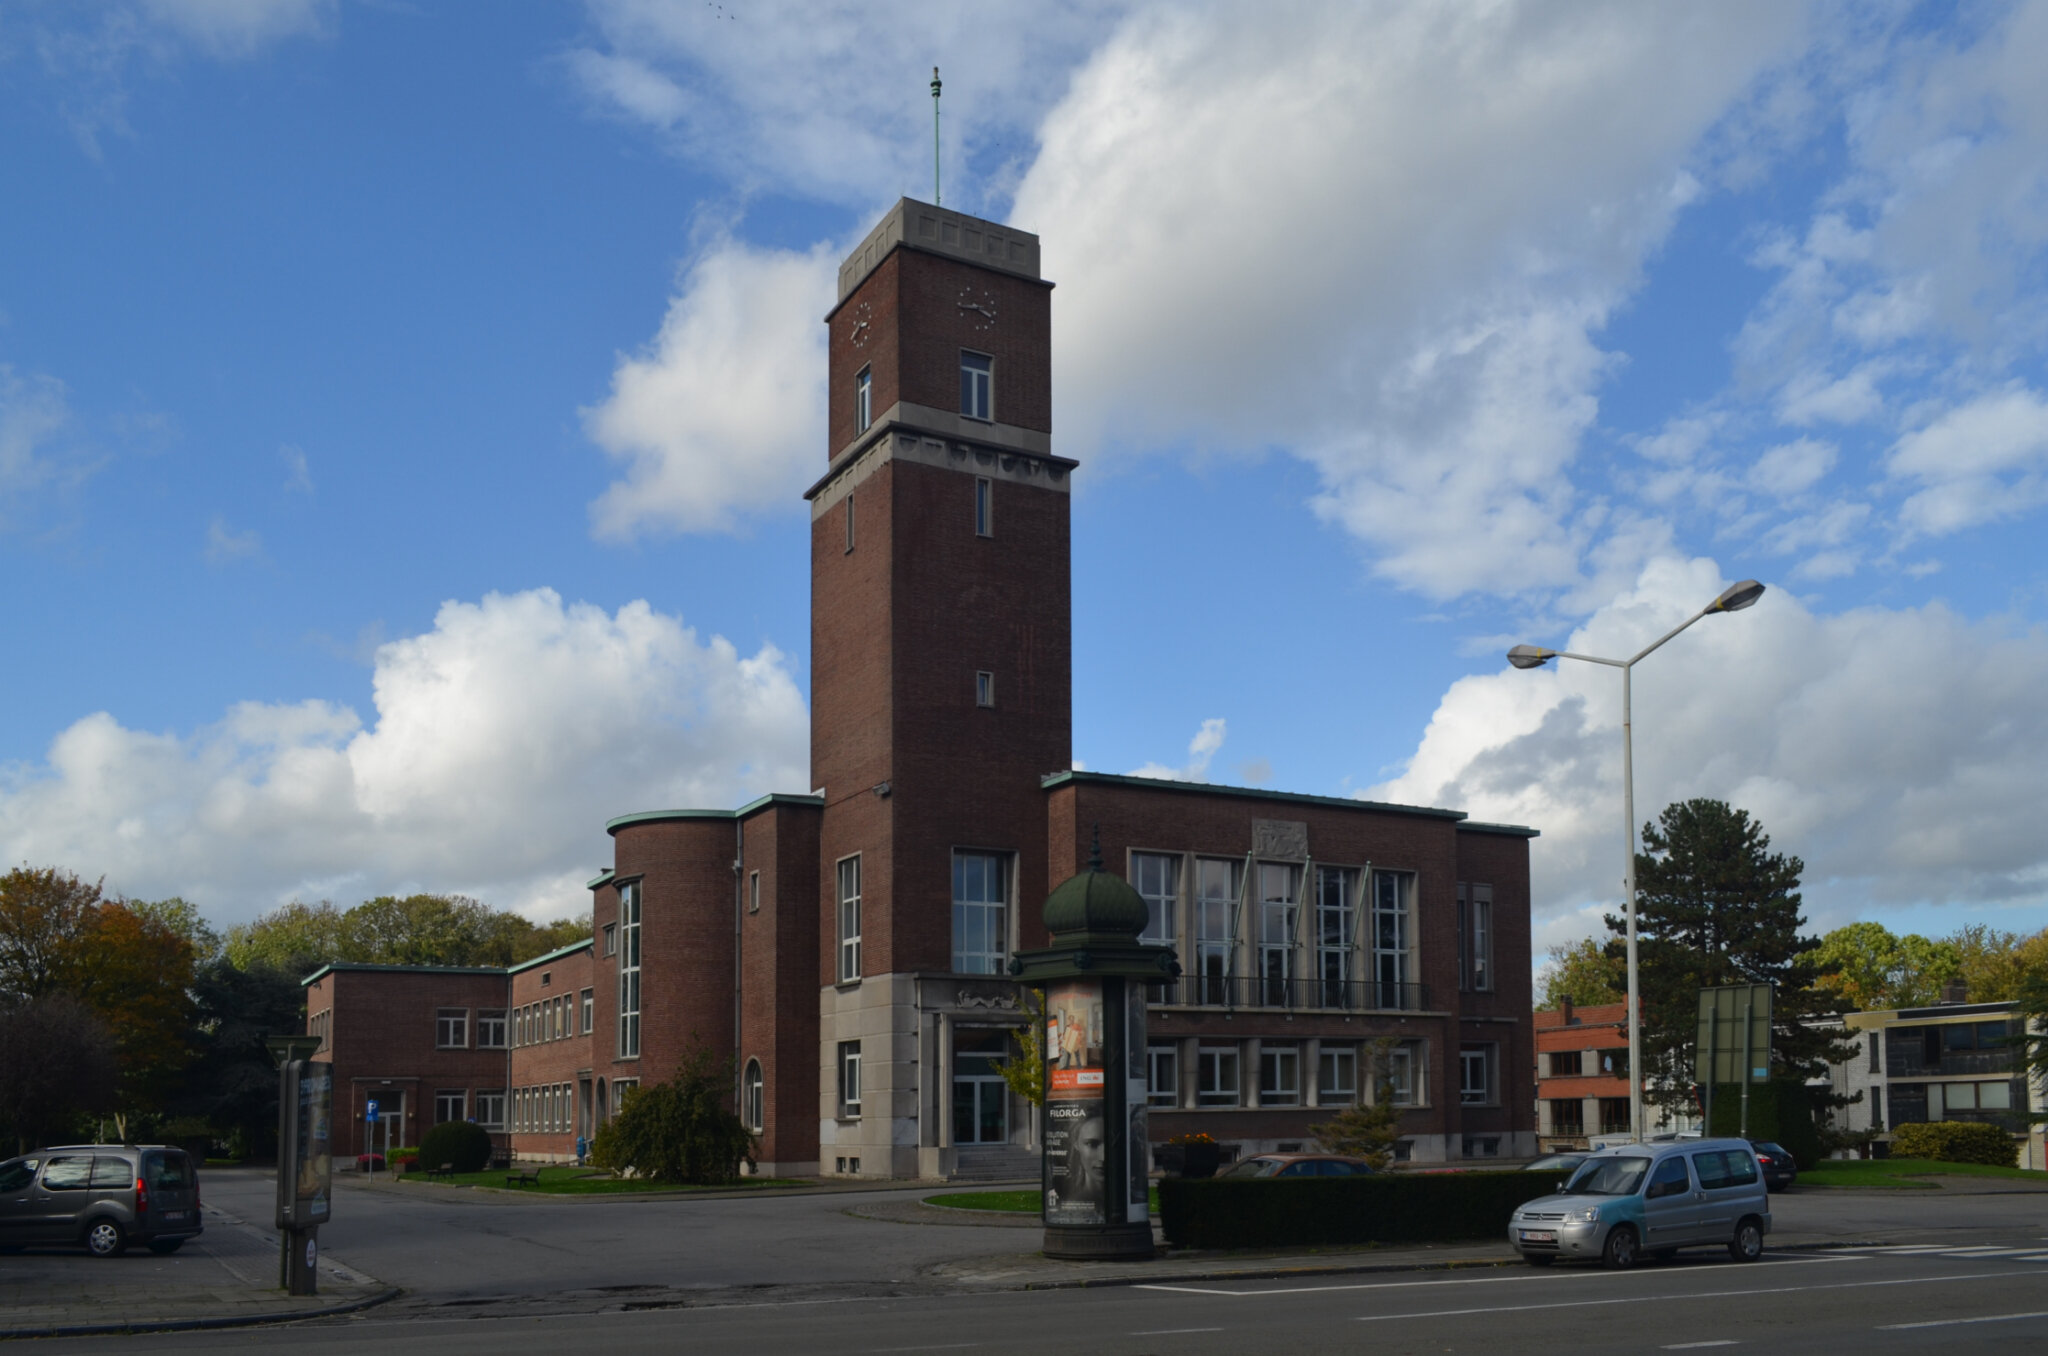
[(32, 410), (720, 415), (502, 740), (224, 544), (1975, 463), (1896, 751), (1384, 237), (1201, 752)]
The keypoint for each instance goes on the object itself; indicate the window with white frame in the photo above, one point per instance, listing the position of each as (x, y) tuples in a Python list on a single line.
[(1337, 1075), (1216, 1078), (629, 970), (490, 1108), (984, 507), (849, 919), (753, 892), (451, 1104), (611, 939), (849, 522), (1336, 925), (753, 1097), (1403, 1075), (1157, 878), (1481, 936), (984, 688), (589, 999), (977, 385), (1392, 893), (1279, 1075), (1162, 1075), (980, 914), (864, 400), (1279, 889), (490, 1029), (451, 1028), (1218, 881), (1475, 1075), (849, 1080)]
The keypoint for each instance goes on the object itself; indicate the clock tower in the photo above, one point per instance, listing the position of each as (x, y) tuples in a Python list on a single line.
[(941, 693)]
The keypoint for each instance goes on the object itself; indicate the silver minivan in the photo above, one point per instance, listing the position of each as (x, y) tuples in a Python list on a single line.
[(104, 1196), (1650, 1198)]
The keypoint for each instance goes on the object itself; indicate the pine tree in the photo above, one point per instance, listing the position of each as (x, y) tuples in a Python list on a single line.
[(1715, 906)]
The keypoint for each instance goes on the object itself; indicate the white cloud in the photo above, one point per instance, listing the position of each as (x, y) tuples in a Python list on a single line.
[(301, 479), (503, 740), (32, 410), (224, 544), (237, 28), (1900, 753), (721, 415), (1977, 463), (1384, 237), (1201, 751), (1792, 468)]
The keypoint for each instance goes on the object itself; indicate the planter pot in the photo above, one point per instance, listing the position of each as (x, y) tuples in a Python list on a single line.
[(1200, 1160)]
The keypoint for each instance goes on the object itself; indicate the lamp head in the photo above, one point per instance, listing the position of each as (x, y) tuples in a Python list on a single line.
[(1529, 656), (1737, 596)]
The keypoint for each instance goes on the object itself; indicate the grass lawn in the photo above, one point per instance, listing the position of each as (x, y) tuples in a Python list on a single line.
[(569, 1180), (1903, 1172), (1013, 1202)]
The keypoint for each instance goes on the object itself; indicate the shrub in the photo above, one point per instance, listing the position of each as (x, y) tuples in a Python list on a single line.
[(1957, 1142), (1236, 1212), (684, 1130), (465, 1144), (1780, 1110)]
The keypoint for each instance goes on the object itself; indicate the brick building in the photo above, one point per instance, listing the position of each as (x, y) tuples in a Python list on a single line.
[(551, 1084), (1581, 1074), (849, 948)]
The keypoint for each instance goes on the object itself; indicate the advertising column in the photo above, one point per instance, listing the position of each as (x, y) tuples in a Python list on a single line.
[(1076, 1128)]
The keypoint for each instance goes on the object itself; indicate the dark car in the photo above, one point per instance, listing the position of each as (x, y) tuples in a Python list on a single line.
[(1298, 1165), (1779, 1169), (103, 1196)]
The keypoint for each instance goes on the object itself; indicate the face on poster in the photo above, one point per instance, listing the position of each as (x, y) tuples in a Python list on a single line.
[(1076, 1162)]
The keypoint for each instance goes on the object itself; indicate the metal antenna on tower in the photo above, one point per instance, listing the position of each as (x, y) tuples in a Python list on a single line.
[(937, 201)]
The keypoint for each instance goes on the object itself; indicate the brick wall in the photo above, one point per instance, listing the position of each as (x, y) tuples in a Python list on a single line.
[(544, 1057), (778, 966)]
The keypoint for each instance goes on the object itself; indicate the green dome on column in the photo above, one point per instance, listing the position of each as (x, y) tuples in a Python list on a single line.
[(1096, 901)]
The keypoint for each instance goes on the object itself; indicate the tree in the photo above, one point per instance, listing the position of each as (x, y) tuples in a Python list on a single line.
[(1025, 1073), (1367, 1129), (56, 1064), (295, 938), (684, 1130), (232, 1082), (1585, 974), (1872, 969), (421, 929), (1994, 965), (1715, 906)]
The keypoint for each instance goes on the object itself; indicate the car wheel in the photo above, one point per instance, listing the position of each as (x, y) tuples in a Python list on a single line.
[(103, 1238), (1620, 1252), (1536, 1259), (1748, 1243), (164, 1247)]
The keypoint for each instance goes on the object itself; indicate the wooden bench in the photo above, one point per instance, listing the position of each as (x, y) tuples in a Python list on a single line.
[(445, 1170), (523, 1178)]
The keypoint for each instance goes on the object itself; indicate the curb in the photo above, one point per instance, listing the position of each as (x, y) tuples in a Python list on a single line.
[(1273, 1273), (195, 1324)]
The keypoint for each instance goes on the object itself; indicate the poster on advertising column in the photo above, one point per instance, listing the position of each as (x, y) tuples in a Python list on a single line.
[(1137, 1181), (1076, 1188)]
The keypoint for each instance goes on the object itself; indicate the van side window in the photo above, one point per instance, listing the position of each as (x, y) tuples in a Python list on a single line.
[(17, 1175), (71, 1173), (1669, 1179), (108, 1171)]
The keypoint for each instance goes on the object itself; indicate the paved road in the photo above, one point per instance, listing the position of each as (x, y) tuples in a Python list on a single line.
[(1981, 1298)]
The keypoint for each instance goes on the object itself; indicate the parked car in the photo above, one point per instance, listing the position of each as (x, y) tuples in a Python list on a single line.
[(104, 1196), (1650, 1198), (1298, 1165), (1780, 1170), (1562, 1166)]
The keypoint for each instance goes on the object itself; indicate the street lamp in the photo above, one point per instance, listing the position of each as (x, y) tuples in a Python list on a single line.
[(1733, 599)]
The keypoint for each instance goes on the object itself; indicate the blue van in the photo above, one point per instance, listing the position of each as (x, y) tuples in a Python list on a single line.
[(1650, 1198)]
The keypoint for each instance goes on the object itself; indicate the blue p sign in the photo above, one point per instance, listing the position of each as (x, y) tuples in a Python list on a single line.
[(371, 1114)]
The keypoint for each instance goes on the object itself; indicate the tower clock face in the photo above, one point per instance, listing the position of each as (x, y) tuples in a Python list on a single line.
[(863, 325), (978, 307)]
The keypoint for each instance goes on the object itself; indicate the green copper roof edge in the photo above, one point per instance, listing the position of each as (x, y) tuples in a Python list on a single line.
[(598, 879), (556, 954), (1511, 830), (1252, 792), (658, 816), (337, 967)]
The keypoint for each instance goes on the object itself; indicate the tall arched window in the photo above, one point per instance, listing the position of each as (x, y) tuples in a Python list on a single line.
[(753, 1099)]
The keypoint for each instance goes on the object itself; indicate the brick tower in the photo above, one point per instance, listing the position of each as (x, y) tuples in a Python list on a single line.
[(941, 676)]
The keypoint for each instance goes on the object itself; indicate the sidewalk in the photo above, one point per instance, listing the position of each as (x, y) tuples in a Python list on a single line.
[(225, 1278)]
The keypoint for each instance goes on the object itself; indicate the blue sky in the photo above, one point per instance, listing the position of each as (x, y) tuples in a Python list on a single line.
[(403, 409)]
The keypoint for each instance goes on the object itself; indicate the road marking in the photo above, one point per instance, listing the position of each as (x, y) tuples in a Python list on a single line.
[(1953, 1322), (1169, 1332), (1521, 1278), (1689, 1346), (949, 1346), (1700, 1295)]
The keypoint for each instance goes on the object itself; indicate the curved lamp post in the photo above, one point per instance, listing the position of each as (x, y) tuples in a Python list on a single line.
[(1733, 599)]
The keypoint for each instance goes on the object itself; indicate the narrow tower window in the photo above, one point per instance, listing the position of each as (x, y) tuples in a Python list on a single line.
[(984, 688), (629, 971), (849, 921), (977, 385), (863, 400), (983, 522), (849, 522)]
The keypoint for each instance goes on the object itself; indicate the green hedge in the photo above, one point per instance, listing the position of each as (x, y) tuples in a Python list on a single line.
[(1780, 1111), (465, 1144), (1230, 1212), (1957, 1142)]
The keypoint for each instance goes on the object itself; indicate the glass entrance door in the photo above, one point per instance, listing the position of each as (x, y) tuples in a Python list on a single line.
[(981, 1100)]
